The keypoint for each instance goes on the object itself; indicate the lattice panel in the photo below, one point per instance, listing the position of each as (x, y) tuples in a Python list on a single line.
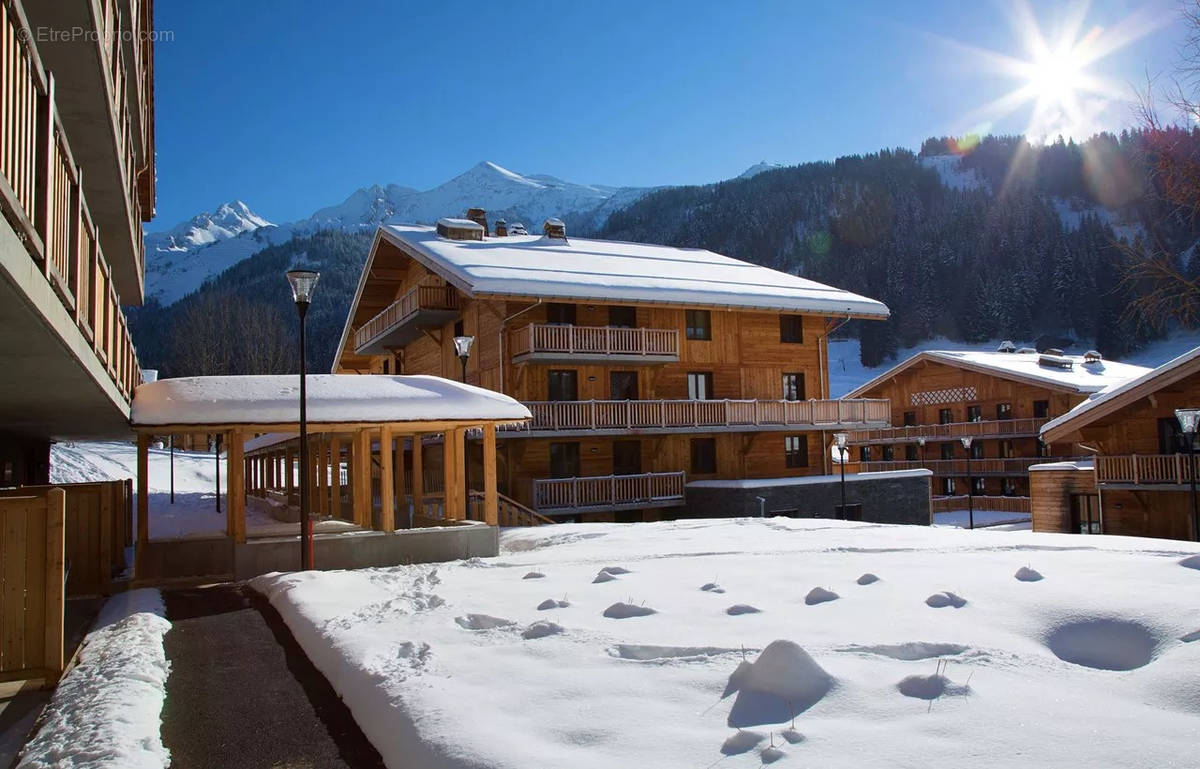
[(938, 397)]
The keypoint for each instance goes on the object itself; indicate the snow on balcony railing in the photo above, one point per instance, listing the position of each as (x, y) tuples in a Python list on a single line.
[(950, 431)]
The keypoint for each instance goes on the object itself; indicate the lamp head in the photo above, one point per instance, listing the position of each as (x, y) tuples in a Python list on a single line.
[(921, 441), (462, 346), (1189, 420), (966, 441), (303, 282), (840, 439)]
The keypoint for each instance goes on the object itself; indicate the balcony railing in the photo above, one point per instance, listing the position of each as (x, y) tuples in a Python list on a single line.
[(980, 502), (998, 428), (658, 415), (41, 192), (1147, 469), (990, 466), (646, 489), (438, 297), (654, 344)]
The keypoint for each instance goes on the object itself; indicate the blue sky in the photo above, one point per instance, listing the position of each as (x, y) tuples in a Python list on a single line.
[(291, 106)]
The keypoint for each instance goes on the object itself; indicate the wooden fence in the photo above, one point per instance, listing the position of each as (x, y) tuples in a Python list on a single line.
[(31, 585), (608, 490), (981, 503), (98, 527), (595, 340)]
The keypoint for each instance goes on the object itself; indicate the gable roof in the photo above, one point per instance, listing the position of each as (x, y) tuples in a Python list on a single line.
[(1081, 378), (1120, 395)]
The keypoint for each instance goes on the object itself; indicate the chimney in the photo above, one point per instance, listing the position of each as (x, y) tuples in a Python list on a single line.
[(501, 228), (459, 229), (479, 216), (554, 228)]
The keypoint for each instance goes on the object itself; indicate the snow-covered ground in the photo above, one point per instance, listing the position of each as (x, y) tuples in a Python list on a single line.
[(693, 643), (105, 713)]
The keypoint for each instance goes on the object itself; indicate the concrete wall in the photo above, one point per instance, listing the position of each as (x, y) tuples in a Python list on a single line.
[(890, 498), (167, 559)]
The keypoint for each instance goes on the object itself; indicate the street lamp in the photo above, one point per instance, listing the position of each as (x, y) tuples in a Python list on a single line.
[(966, 442), (462, 348), (840, 439), (304, 282), (1189, 420)]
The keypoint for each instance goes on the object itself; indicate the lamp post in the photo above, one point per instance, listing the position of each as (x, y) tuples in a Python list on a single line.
[(303, 283), (966, 442), (462, 348), (921, 449), (840, 439), (1189, 421)]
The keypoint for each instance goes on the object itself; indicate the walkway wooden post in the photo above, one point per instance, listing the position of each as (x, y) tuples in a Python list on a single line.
[(387, 503), (143, 502), (418, 476), (491, 509), (322, 477), (335, 481), (451, 468), (401, 520), (235, 488), (362, 479)]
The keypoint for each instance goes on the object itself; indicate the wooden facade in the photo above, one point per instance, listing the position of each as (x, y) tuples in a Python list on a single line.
[(628, 402)]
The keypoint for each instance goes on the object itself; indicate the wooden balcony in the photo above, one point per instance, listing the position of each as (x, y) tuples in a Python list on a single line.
[(1146, 470), (46, 206), (675, 416), (958, 467), (549, 343), (609, 492), (981, 503), (997, 428), (427, 305)]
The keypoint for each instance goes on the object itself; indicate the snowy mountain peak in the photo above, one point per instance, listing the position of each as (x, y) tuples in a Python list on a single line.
[(228, 220), (758, 168)]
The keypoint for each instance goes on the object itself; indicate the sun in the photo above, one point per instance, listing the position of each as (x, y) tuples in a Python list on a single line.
[(1058, 77)]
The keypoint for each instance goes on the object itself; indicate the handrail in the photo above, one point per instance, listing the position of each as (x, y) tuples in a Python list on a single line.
[(668, 414), (607, 490), (980, 502), (949, 431), (1151, 469), (980, 466), (594, 340), (510, 512), (424, 296)]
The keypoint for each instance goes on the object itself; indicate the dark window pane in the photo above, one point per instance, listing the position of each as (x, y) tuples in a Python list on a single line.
[(977, 450), (795, 449), (1003, 411), (564, 460), (627, 457), (864, 453), (910, 418), (888, 453), (563, 385), (1041, 409), (704, 455), (622, 317), (622, 385), (699, 324), (791, 328), (793, 387), (947, 451), (700, 385), (560, 314), (910, 452), (974, 413), (945, 416)]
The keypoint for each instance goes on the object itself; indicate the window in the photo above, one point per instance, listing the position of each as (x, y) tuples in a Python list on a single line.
[(1003, 411), (1170, 437), (386, 366), (1006, 449), (793, 387), (948, 487), (977, 450), (622, 385), (458, 328), (795, 450), (559, 314), (1041, 409), (910, 418), (1009, 487), (627, 457), (563, 385), (700, 385), (1085, 513), (7, 479), (947, 451), (791, 329), (888, 453), (945, 416), (699, 324), (975, 413), (622, 317), (564, 460), (979, 487), (864, 453), (910, 452), (704, 456)]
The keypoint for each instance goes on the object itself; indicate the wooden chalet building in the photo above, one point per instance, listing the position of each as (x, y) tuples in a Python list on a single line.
[(999, 399), (76, 183), (1137, 479), (645, 367)]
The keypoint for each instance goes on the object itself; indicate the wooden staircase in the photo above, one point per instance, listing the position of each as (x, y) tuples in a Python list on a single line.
[(510, 511)]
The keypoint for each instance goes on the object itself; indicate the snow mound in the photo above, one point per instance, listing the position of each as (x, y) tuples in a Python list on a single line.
[(604, 576), (930, 687), (1191, 562), (616, 570), (551, 603), (944, 599), (820, 595), (792, 736), (742, 608), (1026, 574), (867, 579), (1104, 643), (541, 629), (741, 742), (771, 754), (712, 587), (534, 575), (782, 682), (913, 650), (1192, 636), (650, 653), (621, 610), (482, 622)]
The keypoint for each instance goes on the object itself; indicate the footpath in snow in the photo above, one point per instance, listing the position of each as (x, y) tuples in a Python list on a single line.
[(750, 641)]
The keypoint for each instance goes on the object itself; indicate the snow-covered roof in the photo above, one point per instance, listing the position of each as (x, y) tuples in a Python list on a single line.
[(1121, 393), (1070, 464), (1081, 377), (268, 439), (806, 480), (607, 270), (332, 399), (461, 224)]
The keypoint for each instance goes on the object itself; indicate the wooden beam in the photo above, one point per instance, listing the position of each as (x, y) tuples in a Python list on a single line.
[(289, 478), (362, 478), (335, 480), (418, 475), (491, 508), (235, 487), (387, 503), (143, 503), (398, 487)]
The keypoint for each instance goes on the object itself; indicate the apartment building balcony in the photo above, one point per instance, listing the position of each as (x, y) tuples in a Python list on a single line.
[(425, 306), (558, 496), (981, 503), (1147, 472), (551, 343), (69, 363), (633, 417), (985, 429), (101, 57), (980, 468)]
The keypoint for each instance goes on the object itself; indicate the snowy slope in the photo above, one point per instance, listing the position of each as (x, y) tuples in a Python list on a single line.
[(953, 175), (743, 642), (758, 168), (228, 221)]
